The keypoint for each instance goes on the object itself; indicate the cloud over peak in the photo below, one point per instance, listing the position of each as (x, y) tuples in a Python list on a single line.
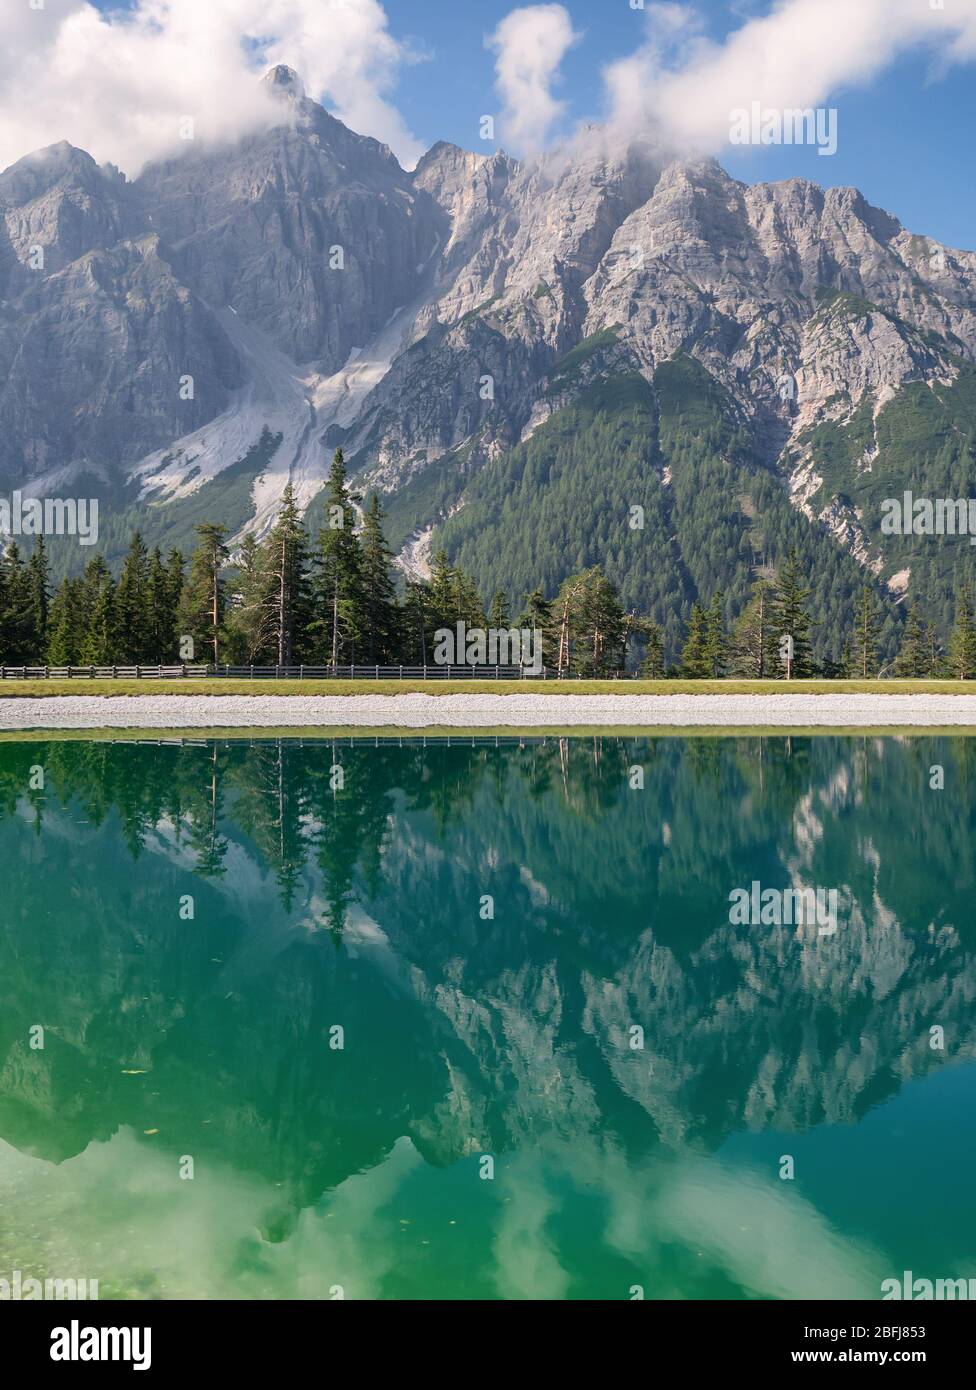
[(121, 84)]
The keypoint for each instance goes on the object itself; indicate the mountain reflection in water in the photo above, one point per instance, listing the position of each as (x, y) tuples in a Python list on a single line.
[(323, 901)]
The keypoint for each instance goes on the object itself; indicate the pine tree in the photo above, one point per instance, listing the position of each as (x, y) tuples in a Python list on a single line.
[(133, 615), (866, 636), (284, 562), (66, 626), (17, 618), (962, 644), (753, 649), (652, 667), (440, 592), (39, 598), (98, 643), (537, 616), (715, 645), (418, 628), (597, 624), (913, 657), (161, 609), (338, 575), (250, 618), (203, 601), (380, 612), (499, 617), (792, 619), (695, 660)]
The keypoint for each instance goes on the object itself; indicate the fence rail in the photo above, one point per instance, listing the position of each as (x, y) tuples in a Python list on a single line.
[(223, 672)]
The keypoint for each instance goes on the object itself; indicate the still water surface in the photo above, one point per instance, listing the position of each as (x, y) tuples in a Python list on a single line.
[(361, 907)]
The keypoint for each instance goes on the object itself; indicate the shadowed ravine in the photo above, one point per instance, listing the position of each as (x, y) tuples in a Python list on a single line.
[(316, 907)]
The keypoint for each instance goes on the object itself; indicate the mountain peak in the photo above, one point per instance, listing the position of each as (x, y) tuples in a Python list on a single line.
[(283, 81)]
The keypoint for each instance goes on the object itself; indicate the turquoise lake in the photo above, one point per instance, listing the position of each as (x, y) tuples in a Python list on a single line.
[(469, 1019)]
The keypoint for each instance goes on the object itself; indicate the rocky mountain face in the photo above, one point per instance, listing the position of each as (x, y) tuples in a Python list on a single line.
[(301, 287)]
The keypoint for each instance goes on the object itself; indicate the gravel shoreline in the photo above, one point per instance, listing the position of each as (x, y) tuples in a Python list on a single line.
[(418, 711)]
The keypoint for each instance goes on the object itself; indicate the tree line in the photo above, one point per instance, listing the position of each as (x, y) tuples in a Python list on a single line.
[(287, 601)]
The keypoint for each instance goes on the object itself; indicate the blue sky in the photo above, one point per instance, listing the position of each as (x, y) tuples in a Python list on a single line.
[(906, 140)]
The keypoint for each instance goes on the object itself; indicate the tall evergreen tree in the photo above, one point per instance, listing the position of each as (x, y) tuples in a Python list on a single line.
[(913, 658), (792, 619), (250, 603), (498, 614), (338, 576), (133, 614), (66, 627), (17, 637), (695, 656), (203, 601), (962, 644), (652, 667), (98, 642), (715, 644), (37, 584), (753, 649), (866, 636), (380, 612), (284, 561)]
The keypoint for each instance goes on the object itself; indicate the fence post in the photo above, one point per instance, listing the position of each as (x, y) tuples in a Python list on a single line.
[(377, 671), (401, 673), (252, 670)]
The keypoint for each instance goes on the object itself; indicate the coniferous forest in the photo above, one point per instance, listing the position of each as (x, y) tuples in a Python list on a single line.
[(334, 600)]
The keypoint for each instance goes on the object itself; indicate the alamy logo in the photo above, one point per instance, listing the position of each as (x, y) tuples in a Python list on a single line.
[(21, 1289), (50, 516), (929, 516), (493, 646), (925, 1290), (77, 1343), (784, 907), (759, 125)]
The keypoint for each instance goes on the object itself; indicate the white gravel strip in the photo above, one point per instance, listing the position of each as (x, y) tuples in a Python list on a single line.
[(416, 711)]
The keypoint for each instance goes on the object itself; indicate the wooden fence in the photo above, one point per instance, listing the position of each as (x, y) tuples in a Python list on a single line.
[(223, 672)]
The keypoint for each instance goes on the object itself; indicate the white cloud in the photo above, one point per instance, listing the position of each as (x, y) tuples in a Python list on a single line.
[(530, 44), (800, 54), (118, 84)]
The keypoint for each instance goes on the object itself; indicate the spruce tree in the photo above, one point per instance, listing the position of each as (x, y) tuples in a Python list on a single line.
[(161, 609), (39, 598), (17, 617), (203, 601), (753, 649), (498, 614), (962, 644), (98, 642), (133, 614), (380, 612), (652, 667), (66, 625), (284, 562), (792, 620), (866, 636), (913, 659), (337, 583), (250, 619), (715, 645), (695, 659)]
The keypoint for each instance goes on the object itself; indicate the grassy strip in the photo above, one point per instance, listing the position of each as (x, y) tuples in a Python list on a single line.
[(357, 734), (41, 689)]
